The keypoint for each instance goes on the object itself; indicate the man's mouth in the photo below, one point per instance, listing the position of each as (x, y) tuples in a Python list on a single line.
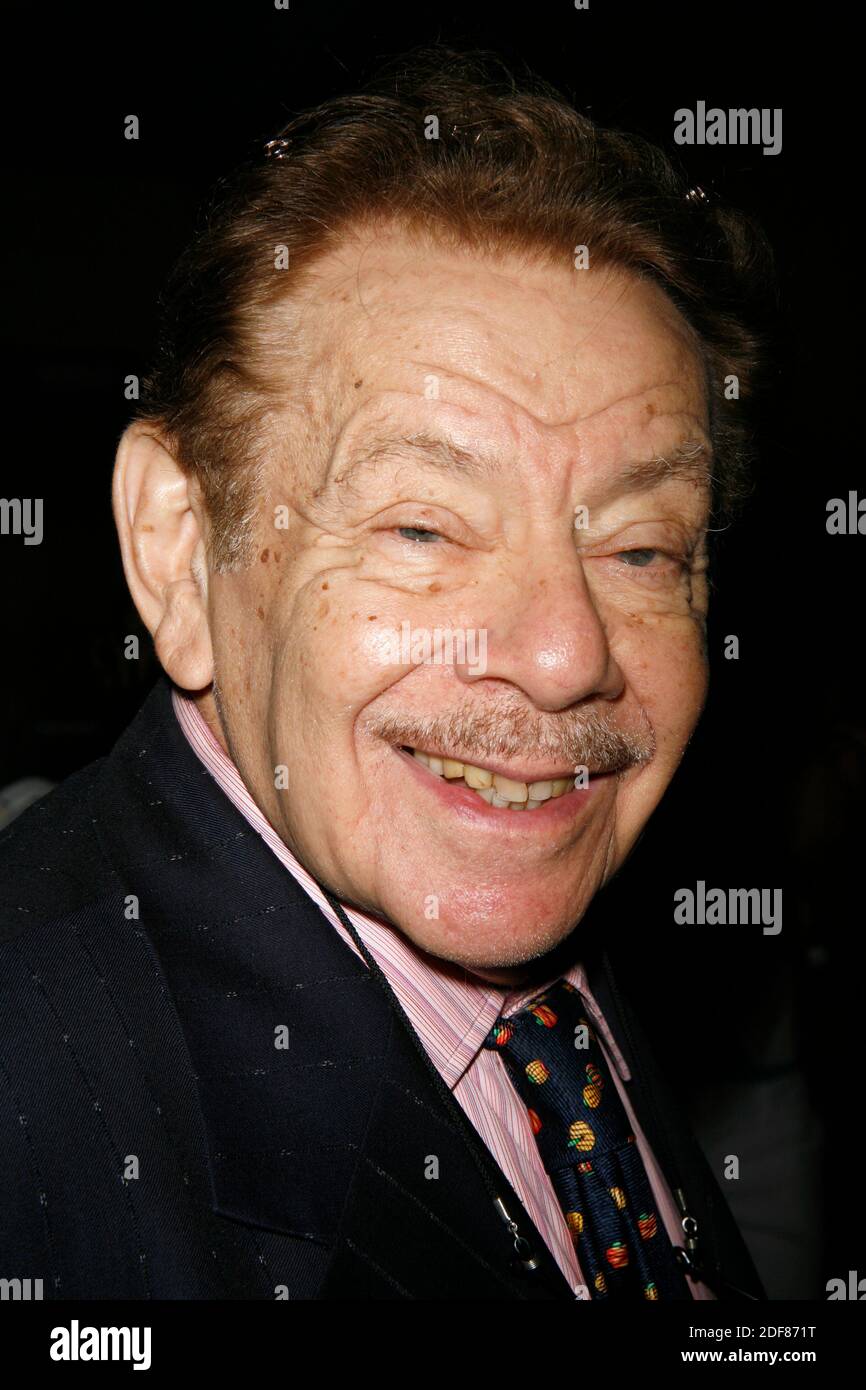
[(494, 788)]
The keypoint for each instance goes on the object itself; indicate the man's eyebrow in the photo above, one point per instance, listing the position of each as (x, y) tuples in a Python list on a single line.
[(689, 460), (438, 451)]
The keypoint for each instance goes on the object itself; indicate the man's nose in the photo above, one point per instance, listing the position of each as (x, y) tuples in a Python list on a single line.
[(547, 638)]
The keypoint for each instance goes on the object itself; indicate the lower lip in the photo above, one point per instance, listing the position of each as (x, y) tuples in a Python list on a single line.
[(457, 797)]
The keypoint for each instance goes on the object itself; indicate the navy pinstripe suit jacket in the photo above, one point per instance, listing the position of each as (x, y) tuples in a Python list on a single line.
[(153, 1141)]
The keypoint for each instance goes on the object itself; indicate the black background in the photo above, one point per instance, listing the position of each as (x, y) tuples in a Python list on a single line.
[(770, 794)]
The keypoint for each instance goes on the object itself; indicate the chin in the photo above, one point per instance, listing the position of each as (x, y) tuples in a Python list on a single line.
[(488, 941)]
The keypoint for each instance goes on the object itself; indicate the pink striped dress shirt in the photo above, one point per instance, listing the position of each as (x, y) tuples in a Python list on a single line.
[(452, 1014)]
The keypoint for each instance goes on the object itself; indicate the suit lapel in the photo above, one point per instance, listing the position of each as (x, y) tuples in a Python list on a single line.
[(419, 1220)]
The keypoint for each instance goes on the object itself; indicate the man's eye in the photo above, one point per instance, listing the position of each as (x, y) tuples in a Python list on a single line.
[(638, 558), (418, 533)]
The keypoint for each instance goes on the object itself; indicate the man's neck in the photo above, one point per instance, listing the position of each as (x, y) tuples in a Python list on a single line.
[(207, 708)]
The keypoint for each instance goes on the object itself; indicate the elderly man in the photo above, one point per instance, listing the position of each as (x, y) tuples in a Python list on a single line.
[(415, 508)]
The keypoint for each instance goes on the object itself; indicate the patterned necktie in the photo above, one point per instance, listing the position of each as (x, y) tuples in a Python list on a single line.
[(588, 1147)]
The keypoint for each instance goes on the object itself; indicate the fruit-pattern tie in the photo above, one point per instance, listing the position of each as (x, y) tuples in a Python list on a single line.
[(588, 1147)]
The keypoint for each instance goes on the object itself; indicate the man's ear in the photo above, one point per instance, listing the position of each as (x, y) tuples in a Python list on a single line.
[(161, 525)]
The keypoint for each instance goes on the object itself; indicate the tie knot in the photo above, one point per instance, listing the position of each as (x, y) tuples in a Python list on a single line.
[(558, 1067), (560, 1007)]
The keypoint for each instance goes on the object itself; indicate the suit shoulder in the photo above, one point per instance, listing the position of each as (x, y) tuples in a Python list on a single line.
[(51, 860)]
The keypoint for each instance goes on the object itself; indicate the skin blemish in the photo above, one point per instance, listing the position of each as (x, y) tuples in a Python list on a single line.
[(261, 613), (324, 609), (650, 408), (434, 587), (325, 585), (359, 382), (371, 617), (265, 554)]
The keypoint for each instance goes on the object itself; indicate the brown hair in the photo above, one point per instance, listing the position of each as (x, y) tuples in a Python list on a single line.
[(515, 168)]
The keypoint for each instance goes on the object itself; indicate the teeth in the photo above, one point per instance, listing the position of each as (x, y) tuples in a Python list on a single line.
[(492, 787), (514, 791), (477, 777)]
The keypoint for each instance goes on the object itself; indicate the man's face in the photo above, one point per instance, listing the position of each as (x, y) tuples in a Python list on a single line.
[(466, 460)]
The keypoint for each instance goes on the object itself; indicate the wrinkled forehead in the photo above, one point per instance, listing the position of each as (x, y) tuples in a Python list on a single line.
[(393, 325)]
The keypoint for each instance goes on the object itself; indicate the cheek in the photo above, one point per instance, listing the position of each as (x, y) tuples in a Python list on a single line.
[(239, 630), (665, 667), (339, 646), (262, 636)]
